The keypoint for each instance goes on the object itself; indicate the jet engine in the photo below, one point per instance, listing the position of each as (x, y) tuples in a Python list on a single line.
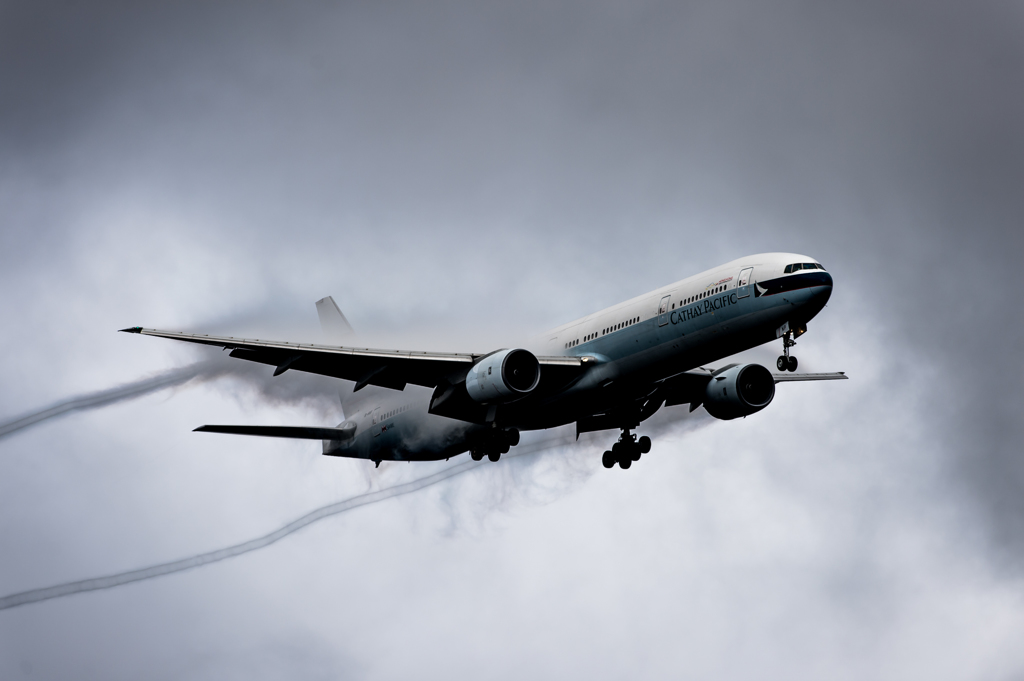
[(740, 390), (503, 376)]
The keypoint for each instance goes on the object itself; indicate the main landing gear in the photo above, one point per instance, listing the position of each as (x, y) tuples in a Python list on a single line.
[(497, 444), (786, 362), (627, 450)]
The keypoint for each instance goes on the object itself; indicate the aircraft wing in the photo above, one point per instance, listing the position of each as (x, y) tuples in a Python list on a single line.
[(835, 376), (366, 366), (689, 386)]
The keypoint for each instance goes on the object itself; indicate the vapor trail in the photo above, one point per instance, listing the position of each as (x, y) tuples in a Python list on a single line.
[(110, 581), (111, 395)]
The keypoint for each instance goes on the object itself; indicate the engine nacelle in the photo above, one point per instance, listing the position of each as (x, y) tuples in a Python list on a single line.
[(740, 390), (502, 377)]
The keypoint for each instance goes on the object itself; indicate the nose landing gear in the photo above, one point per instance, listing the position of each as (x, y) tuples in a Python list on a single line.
[(627, 450), (785, 362)]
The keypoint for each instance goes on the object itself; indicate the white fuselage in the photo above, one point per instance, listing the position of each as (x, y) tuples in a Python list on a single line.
[(690, 323)]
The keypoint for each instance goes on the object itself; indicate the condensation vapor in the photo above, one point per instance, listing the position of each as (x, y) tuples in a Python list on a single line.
[(268, 390), (119, 579), (102, 398)]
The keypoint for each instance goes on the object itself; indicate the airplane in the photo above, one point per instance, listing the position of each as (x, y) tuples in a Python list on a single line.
[(610, 370)]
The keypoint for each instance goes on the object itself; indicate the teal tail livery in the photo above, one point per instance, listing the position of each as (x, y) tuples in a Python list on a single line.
[(610, 370)]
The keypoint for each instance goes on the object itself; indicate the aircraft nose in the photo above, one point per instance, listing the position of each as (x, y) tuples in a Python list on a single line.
[(823, 291)]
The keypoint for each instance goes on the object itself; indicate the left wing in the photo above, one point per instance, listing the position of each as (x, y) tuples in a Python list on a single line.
[(689, 386), (366, 366), (786, 378)]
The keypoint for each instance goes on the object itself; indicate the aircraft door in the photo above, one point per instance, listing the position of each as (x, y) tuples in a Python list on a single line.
[(743, 283), (663, 311)]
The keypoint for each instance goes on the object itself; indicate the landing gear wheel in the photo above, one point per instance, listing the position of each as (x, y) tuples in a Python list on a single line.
[(476, 454), (513, 437), (504, 448), (494, 456), (791, 365), (645, 444), (625, 463), (782, 363), (608, 460)]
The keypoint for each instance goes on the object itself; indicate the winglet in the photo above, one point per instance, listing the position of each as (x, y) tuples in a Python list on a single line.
[(133, 329)]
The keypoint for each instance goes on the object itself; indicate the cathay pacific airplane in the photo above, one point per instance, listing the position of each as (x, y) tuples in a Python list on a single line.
[(610, 370)]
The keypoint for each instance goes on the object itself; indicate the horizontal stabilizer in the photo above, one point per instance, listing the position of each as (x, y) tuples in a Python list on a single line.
[(294, 432), (836, 376)]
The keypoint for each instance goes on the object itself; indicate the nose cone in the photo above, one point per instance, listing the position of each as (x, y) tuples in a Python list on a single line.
[(826, 287), (821, 292)]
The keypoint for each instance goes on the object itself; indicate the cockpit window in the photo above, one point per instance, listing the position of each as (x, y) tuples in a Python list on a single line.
[(796, 267)]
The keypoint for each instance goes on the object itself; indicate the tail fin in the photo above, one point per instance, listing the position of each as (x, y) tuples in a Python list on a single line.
[(332, 321), (337, 330)]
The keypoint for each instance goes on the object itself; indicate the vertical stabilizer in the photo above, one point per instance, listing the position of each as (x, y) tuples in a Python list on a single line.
[(335, 327), (337, 331)]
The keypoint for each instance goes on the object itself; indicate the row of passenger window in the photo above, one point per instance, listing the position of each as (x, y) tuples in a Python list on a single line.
[(796, 267), (693, 299), (620, 325), (395, 412), (592, 336)]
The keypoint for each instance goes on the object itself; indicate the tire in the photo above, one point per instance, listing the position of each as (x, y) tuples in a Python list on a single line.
[(781, 363), (513, 437), (608, 460), (476, 455), (645, 444), (625, 463), (494, 456), (792, 364), (617, 448), (504, 448)]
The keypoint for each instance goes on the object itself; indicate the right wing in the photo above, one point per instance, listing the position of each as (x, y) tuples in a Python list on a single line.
[(366, 366)]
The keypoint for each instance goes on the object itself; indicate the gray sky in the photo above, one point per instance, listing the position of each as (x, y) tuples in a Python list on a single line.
[(458, 176)]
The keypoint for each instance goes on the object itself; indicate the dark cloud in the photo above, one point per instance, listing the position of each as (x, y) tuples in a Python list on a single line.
[(457, 175)]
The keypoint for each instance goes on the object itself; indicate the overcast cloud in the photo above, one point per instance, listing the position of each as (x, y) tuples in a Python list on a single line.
[(460, 176)]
